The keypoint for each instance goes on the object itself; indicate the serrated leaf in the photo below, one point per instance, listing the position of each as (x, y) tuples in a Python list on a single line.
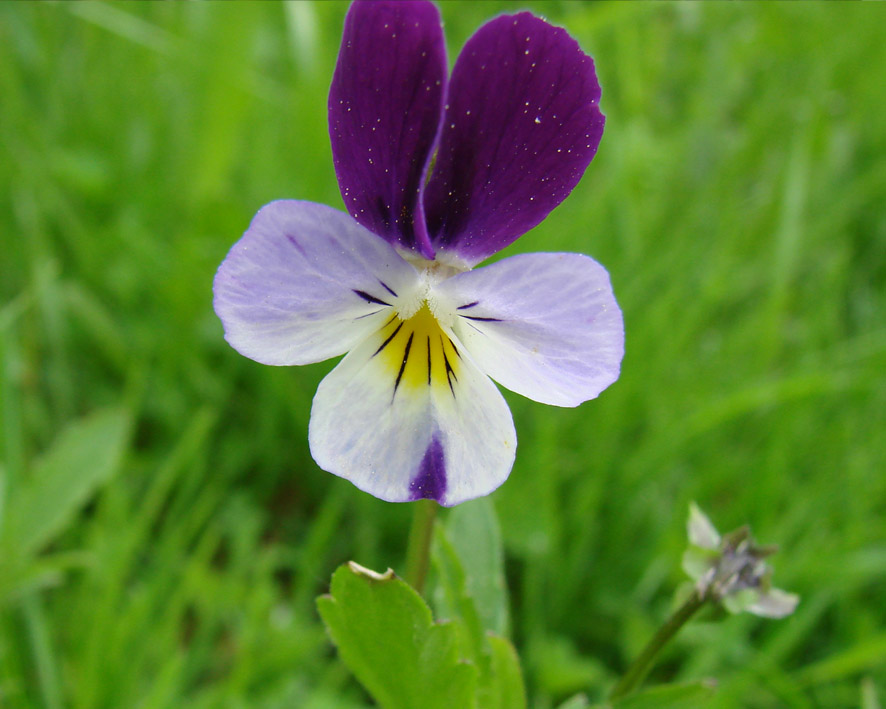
[(83, 457), (386, 636), (473, 529), (670, 696)]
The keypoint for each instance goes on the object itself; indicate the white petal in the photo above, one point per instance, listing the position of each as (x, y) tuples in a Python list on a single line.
[(303, 282), (546, 326), (702, 532), (380, 424), (774, 603)]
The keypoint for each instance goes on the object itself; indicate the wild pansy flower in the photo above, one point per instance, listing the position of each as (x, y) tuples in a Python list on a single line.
[(437, 175), (731, 569)]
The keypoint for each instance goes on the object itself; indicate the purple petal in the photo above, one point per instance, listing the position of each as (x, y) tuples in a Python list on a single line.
[(384, 109), (521, 126), (306, 283), (546, 326)]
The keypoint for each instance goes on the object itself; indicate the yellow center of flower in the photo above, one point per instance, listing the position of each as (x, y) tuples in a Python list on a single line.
[(418, 353)]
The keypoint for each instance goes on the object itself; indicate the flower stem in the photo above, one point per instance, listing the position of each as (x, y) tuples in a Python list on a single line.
[(418, 550), (640, 666)]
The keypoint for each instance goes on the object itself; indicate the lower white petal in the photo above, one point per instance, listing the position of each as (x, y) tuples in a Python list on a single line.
[(407, 415)]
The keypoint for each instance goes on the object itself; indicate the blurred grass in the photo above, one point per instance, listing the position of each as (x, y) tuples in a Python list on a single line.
[(737, 200)]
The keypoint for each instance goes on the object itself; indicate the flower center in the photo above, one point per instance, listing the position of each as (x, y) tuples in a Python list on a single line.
[(417, 352)]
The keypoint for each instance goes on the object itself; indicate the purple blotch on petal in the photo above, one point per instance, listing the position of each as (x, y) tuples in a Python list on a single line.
[(430, 482), (521, 125), (385, 105)]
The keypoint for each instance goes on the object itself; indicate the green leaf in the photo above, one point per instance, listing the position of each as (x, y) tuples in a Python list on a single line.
[(2, 493), (473, 529), (500, 680), (454, 602), (679, 696), (19, 578), (83, 457), (862, 657), (505, 684), (560, 669), (386, 636), (869, 698), (579, 701)]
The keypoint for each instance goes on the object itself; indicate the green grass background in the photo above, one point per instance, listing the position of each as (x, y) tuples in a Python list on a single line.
[(738, 202)]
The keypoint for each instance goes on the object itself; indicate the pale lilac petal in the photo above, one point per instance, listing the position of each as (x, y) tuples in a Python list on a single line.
[(306, 283), (546, 326), (522, 124), (385, 105), (403, 421)]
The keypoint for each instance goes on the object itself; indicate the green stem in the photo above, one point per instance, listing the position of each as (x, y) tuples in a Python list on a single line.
[(418, 551), (639, 667)]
